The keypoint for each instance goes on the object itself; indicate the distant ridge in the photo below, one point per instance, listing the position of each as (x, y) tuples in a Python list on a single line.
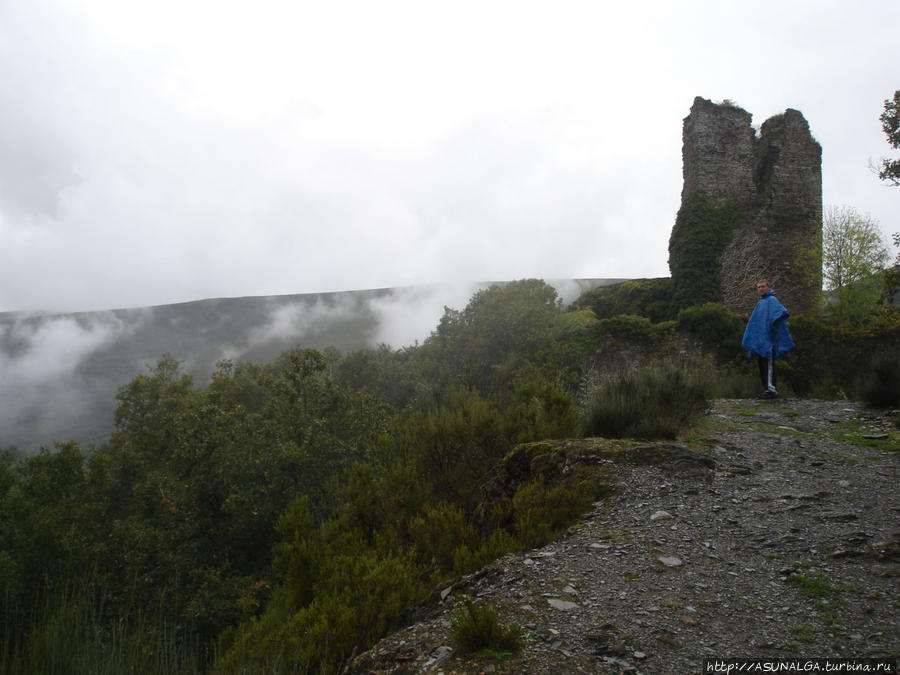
[(60, 372)]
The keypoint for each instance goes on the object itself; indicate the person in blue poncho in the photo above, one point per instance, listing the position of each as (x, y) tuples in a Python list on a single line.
[(767, 336)]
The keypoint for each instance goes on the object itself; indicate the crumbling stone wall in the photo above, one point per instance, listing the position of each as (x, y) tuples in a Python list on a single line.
[(775, 181), (718, 152)]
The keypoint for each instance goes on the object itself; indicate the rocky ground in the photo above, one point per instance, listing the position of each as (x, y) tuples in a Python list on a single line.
[(787, 545)]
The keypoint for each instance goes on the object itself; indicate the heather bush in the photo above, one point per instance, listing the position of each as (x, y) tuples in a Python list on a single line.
[(540, 511), (443, 536), (478, 629), (655, 402)]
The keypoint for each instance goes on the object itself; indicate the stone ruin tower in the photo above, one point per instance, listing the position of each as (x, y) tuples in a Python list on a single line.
[(771, 185)]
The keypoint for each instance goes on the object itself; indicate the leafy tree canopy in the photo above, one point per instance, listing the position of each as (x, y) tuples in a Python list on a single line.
[(500, 322), (890, 123), (853, 247), (854, 256), (651, 298)]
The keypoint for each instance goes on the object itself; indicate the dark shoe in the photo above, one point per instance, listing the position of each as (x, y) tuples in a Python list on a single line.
[(768, 394)]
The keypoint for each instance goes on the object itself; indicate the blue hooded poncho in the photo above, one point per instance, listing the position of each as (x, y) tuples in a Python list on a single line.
[(767, 328)]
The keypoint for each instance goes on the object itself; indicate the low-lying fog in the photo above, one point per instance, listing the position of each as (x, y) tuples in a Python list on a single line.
[(60, 373)]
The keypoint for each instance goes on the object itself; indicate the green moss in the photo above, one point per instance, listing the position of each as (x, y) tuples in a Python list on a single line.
[(802, 632), (813, 586), (855, 433)]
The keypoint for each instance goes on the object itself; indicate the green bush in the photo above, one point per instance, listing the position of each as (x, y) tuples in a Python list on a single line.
[(478, 629), (535, 406), (651, 298), (837, 361), (738, 380), (501, 322), (573, 329), (879, 387), (718, 330), (540, 510), (69, 633), (656, 402), (442, 536), (360, 596), (496, 545), (454, 445), (632, 328)]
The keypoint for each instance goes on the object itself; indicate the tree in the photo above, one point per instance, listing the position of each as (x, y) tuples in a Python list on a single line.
[(853, 247), (500, 324), (853, 256), (890, 122), (891, 285)]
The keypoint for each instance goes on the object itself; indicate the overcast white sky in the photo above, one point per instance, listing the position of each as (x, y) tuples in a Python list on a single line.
[(170, 150)]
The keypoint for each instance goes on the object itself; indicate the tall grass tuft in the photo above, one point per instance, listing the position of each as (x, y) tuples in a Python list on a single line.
[(478, 629), (655, 402), (69, 632)]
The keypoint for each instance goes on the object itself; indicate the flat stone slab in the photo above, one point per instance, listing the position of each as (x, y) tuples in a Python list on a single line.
[(670, 561)]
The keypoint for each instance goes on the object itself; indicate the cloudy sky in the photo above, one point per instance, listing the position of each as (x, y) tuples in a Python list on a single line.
[(169, 150)]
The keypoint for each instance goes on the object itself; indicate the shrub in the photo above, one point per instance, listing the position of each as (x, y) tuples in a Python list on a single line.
[(573, 329), (500, 542), (718, 330), (535, 406), (478, 629), (837, 361), (880, 386), (632, 328), (651, 298), (540, 510), (504, 321), (656, 402), (442, 536), (737, 380), (455, 444), (68, 633), (360, 596)]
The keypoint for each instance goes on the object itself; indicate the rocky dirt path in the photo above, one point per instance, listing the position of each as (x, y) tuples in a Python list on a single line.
[(788, 548)]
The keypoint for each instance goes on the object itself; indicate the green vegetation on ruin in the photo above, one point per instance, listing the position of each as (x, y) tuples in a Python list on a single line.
[(289, 513)]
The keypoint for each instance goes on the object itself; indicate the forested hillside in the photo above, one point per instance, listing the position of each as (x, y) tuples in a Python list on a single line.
[(59, 373), (295, 510)]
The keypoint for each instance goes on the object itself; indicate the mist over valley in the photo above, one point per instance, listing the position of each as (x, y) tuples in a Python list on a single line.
[(60, 372)]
